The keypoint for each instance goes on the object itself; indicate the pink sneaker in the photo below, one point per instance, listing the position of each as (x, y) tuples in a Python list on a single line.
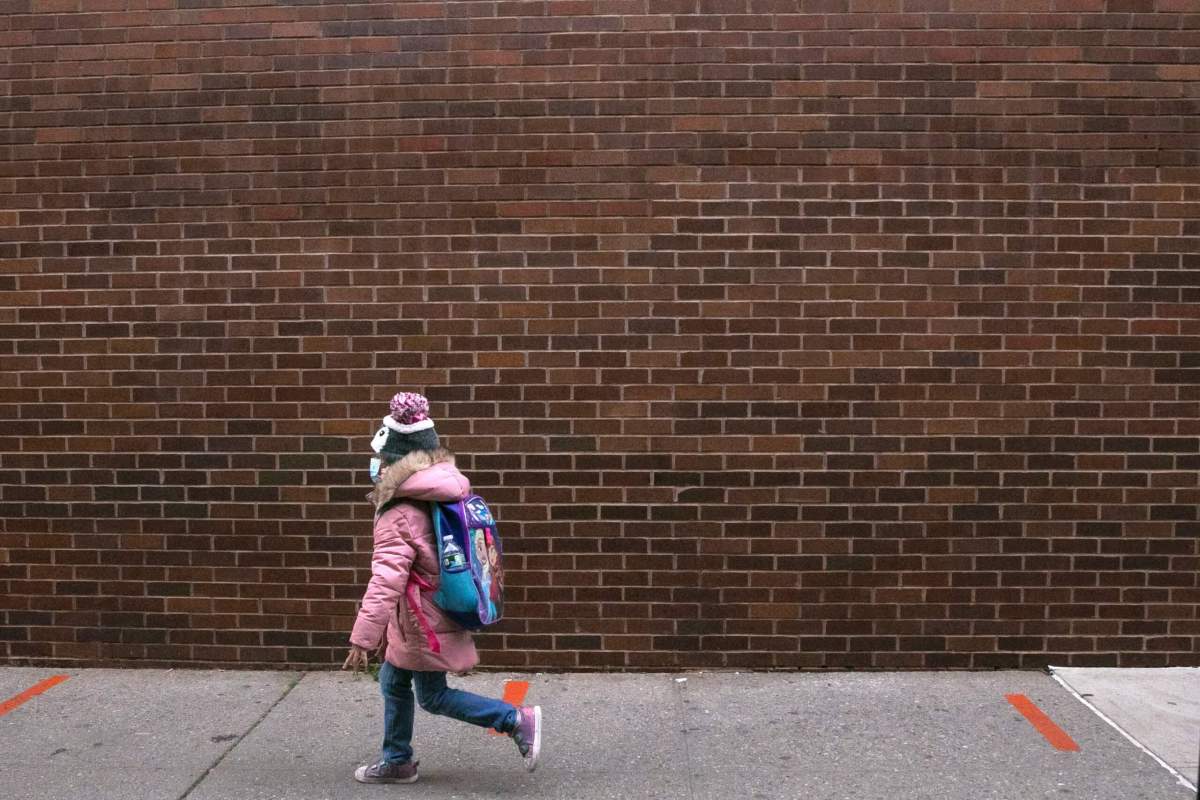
[(528, 734)]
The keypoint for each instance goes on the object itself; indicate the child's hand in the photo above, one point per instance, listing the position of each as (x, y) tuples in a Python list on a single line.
[(357, 660)]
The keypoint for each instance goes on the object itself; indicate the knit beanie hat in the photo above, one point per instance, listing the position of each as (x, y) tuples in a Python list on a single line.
[(407, 428)]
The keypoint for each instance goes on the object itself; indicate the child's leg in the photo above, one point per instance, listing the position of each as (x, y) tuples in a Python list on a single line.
[(437, 698), (396, 686)]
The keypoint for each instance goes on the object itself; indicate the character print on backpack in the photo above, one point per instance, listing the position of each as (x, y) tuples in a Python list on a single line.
[(469, 554)]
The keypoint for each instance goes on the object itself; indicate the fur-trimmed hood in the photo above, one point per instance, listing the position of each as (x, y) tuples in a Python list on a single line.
[(421, 475)]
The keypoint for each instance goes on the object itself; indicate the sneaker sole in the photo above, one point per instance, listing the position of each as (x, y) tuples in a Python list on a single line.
[(534, 751)]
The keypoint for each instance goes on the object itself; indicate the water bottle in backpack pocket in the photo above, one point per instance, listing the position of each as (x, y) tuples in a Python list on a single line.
[(471, 591)]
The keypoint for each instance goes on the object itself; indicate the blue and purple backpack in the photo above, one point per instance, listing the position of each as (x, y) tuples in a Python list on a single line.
[(471, 591)]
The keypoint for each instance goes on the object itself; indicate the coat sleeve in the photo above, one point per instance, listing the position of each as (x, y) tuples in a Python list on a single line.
[(390, 565)]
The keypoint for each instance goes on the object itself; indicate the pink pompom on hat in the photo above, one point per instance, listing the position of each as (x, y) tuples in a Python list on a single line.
[(409, 408), (407, 428)]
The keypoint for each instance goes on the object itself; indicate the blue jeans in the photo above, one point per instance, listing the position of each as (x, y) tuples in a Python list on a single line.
[(435, 697)]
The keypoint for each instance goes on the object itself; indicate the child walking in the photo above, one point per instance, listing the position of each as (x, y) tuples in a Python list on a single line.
[(423, 644)]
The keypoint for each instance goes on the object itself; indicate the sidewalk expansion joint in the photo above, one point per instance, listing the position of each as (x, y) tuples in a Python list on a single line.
[(680, 688), (238, 740), (1179, 776)]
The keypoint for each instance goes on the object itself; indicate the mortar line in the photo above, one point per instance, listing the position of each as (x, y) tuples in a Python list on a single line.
[(683, 729), (288, 690)]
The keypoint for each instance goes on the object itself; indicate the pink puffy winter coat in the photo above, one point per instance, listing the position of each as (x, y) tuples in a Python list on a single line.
[(404, 546)]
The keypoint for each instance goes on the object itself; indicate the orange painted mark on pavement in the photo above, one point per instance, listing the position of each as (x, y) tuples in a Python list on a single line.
[(514, 694), (30, 693), (1038, 719)]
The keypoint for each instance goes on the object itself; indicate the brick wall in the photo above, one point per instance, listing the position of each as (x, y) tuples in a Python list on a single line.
[(780, 333)]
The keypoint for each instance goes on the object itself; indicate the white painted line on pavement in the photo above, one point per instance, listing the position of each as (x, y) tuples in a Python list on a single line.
[(1178, 775)]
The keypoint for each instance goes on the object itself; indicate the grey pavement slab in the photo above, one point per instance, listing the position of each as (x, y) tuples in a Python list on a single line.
[(1160, 707), (702, 736), (904, 735), (14, 680), (125, 734), (606, 736)]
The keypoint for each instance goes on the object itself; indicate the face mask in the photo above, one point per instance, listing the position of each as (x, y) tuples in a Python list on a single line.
[(376, 467)]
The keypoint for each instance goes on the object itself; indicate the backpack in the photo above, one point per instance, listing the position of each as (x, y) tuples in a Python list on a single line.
[(471, 591)]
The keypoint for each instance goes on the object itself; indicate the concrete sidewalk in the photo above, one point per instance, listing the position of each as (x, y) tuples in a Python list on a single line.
[(1158, 709), (191, 735)]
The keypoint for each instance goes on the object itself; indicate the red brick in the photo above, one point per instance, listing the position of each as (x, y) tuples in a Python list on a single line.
[(853, 338)]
